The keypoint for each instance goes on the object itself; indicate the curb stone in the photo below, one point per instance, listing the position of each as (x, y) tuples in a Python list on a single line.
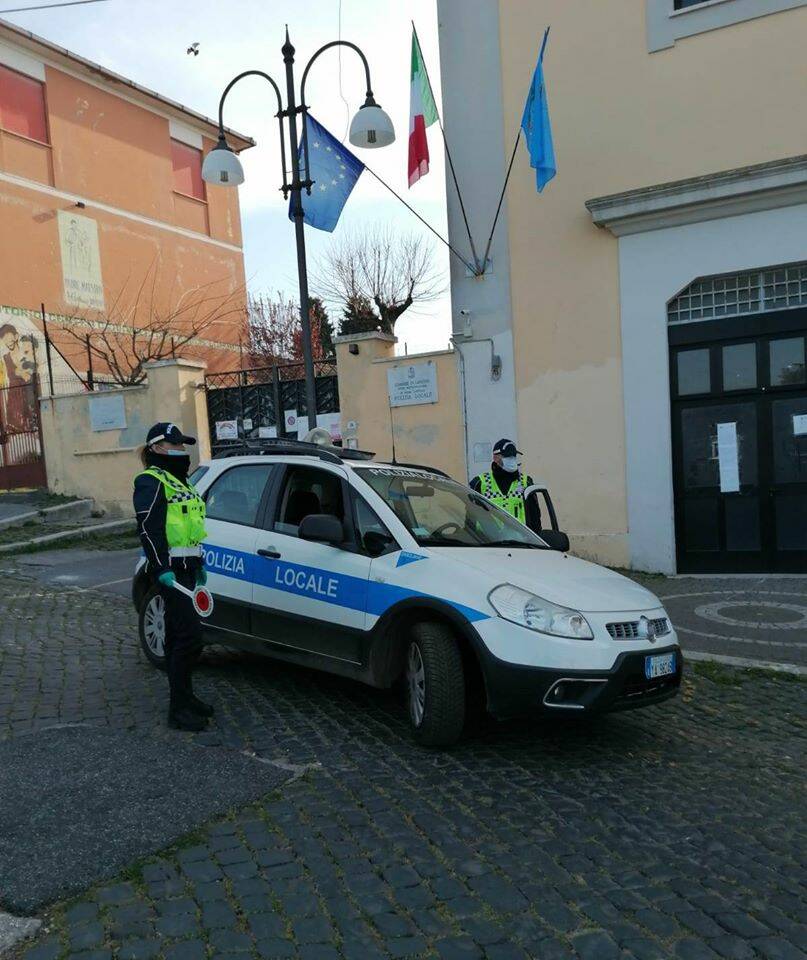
[(14, 929)]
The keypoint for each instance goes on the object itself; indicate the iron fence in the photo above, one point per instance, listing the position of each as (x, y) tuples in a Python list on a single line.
[(252, 404)]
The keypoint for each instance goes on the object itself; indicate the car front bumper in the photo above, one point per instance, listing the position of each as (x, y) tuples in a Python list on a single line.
[(515, 690)]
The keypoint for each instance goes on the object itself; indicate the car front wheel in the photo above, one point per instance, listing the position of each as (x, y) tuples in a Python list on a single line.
[(435, 685), (151, 624)]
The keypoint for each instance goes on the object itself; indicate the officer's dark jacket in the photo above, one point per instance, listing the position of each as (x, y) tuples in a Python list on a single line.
[(151, 508)]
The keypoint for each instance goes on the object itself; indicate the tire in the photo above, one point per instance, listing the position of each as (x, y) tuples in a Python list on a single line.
[(435, 685), (151, 627)]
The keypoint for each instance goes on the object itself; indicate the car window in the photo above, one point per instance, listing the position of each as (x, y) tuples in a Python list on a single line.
[(308, 490), (439, 512), (236, 495), (197, 475), (367, 520)]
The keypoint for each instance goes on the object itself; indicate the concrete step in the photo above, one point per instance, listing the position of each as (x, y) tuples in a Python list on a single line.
[(74, 511), (32, 538)]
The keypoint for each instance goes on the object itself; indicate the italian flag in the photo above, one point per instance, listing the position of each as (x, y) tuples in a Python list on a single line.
[(422, 114)]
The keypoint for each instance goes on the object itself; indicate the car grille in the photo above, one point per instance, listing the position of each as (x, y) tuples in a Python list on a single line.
[(629, 629)]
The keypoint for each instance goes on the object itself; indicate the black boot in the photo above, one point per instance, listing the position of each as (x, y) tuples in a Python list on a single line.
[(194, 703), (184, 718)]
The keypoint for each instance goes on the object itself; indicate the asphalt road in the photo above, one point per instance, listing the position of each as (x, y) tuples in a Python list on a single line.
[(107, 570)]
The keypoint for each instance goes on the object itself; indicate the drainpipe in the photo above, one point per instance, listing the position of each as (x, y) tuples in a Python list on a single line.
[(495, 374)]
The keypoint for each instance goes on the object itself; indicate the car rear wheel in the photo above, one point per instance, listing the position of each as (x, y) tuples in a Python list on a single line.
[(151, 624), (435, 685)]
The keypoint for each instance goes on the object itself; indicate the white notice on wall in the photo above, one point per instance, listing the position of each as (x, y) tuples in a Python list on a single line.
[(247, 423), (267, 433), (107, 413), (332, 422), (728, 459), (800, 424), (413, 383), (290, 421), (226, 429)]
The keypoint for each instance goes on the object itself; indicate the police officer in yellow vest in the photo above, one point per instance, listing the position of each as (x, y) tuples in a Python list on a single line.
[(171, 523), (504, 484)]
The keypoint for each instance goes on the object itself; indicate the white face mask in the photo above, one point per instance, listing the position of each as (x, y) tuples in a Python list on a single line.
[(510, 464)]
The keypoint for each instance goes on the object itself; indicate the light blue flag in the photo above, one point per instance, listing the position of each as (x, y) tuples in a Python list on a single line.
[(334, 170), (536, 126)]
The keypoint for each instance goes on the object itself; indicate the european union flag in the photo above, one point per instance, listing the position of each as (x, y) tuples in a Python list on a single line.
[(334, 170), (536, 126)]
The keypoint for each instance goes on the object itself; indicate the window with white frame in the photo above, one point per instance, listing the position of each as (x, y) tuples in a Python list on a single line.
[(733, 294), (671, 20)]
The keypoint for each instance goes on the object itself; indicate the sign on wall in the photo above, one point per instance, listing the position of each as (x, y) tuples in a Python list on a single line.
[(728, 457), (226, 429), (81, 260), (411, 384), (107, 413)]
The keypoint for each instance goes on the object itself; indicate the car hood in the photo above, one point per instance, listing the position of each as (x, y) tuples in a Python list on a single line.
[(557, 577)]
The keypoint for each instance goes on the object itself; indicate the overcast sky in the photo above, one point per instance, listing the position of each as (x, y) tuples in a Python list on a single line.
[(146, 41)]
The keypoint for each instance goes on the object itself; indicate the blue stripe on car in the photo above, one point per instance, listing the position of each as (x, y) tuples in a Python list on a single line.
[(318, 584)]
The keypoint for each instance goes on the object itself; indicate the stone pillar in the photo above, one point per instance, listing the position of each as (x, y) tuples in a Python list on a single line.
[(177, 394), (362, 388)]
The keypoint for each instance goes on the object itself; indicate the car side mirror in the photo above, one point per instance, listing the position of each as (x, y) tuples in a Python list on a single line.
[(375, 542), (555, 539), (321, 528)]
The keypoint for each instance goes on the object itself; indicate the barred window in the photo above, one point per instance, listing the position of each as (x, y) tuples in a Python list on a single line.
[(733, 294)]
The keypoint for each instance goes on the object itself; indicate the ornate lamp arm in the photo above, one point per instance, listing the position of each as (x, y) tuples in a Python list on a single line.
[(279, 115), (303, 106)]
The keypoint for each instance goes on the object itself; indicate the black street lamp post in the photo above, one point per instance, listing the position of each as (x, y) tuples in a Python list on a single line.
[(371, 127)]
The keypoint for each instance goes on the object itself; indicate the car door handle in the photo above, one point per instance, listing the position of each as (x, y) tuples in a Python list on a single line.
[(269, 554)]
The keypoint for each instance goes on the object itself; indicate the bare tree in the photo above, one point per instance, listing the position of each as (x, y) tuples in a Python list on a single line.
[(143, 324), (380, 267), (275, 332)]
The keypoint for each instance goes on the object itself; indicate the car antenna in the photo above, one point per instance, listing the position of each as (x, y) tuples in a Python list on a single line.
[(392, 432)]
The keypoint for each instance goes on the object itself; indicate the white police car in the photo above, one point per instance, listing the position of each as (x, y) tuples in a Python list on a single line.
[(384, 572)]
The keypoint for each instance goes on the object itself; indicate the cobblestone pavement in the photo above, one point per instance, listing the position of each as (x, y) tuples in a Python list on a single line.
[(676, 831), (757, 618)]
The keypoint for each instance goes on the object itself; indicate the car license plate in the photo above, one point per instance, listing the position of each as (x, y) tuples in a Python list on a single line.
[(659, 666)]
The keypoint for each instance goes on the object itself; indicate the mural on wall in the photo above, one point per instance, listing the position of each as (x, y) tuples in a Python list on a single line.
[(17, 371), (22, 358), (81, 260)]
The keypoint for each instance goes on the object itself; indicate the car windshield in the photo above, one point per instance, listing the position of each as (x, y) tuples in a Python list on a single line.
[(439, 512)]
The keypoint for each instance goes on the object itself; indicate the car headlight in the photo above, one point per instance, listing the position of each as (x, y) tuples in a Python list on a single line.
[(534, 613)]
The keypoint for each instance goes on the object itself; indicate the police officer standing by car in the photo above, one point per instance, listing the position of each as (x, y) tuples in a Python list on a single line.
[(171, 524), (505, 485)]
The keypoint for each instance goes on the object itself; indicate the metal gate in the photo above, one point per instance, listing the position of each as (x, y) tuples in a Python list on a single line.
[(22, 463), (251, 404)]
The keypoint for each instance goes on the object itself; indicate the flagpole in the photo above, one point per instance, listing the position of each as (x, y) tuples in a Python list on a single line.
[(297, 214), (512, 159), (479, 268)]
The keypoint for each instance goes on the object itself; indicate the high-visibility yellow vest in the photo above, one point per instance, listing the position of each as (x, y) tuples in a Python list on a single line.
[(185, 517), (512, 501)]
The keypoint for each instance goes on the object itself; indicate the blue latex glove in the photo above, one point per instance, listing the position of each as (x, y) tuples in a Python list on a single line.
[(201, 577), (167, 579)]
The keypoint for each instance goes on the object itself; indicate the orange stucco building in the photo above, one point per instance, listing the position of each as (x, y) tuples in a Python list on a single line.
[(101, 198)]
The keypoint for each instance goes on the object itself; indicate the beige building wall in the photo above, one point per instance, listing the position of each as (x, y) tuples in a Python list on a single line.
[(429, 434), (102, 465), (623, 118)]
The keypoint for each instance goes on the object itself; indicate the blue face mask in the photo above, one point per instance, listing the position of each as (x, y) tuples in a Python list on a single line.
[(510, 464), (176, 453)]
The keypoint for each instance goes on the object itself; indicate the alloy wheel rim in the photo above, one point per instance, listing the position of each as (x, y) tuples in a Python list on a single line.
[(416, 677), (154, 626)]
